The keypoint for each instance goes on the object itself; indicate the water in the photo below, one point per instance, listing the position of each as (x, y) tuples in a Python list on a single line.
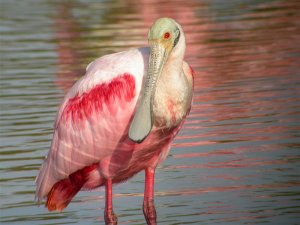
[(236, 160)]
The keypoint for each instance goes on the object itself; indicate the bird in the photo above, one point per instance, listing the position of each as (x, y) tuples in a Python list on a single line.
[(118, 119)]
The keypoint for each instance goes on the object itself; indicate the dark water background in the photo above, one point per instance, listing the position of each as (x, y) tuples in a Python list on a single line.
[(236, 160)]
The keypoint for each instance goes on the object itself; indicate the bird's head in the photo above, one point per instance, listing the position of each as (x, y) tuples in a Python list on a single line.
[(164, 35), (166, 40)]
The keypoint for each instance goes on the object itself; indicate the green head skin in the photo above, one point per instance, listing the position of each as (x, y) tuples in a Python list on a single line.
[(163, 37)]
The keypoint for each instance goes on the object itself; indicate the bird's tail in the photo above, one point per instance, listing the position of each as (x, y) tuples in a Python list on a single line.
[(63, 191)]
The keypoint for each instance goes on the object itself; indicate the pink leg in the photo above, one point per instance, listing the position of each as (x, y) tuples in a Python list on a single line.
[(148, 205), (110, 217)]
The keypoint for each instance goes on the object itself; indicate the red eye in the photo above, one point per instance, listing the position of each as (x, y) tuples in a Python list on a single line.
[(167, 35)]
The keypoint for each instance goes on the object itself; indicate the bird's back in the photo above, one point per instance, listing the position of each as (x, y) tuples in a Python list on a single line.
[(93, 116)]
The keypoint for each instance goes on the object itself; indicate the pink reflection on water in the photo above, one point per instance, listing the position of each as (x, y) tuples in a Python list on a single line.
[(209, 154), (238, 162), (70, 57), (240, 100)]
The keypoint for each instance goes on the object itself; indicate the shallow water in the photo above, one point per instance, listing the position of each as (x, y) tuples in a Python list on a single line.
[(236, 160)]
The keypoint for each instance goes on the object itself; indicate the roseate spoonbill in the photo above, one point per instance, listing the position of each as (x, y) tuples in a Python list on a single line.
[(118, 119)]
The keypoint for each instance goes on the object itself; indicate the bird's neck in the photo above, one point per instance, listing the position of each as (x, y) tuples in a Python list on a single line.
[(169, 95)]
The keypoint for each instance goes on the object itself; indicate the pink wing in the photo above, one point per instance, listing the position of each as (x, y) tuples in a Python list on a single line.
[(93, 116)]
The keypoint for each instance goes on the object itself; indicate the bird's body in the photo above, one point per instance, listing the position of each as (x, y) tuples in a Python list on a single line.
[(91, 144)]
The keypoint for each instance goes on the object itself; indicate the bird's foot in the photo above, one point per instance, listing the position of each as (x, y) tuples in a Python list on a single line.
[(110, 217), (149, 212)]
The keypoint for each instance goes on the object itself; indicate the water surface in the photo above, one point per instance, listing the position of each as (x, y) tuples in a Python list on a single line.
[(236, 160)]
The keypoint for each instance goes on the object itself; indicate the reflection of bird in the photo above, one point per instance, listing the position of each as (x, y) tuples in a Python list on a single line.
[(119, 119)]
